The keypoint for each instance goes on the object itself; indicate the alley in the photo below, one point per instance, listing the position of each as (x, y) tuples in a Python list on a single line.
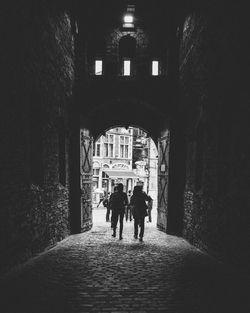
[(94, 272)]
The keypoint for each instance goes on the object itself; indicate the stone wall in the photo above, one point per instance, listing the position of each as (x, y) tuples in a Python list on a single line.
[(38, 69), (214, 96)]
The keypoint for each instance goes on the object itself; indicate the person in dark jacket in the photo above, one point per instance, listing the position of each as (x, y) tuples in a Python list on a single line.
[(110, 205), (106, 205), (138, 203), (118, 202)]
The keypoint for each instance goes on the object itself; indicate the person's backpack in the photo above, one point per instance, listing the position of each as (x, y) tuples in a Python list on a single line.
[(117, 201)]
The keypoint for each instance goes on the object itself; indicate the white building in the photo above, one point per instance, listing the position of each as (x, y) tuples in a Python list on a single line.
[(112, 162)]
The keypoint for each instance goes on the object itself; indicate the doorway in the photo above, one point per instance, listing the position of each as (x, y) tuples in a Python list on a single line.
[(126, 155)]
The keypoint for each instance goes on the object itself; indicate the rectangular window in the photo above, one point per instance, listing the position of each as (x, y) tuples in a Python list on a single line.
[(124, 146), (111, 150), (155, 68), (122, 151), (98, 67), (106, 150), (126, 151), (126, 67), (96, 171), (108, 146), (98, 149)]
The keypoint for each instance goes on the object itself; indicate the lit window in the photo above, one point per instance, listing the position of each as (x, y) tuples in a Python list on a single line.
[(155, 68), (126, 67), (98, 67)]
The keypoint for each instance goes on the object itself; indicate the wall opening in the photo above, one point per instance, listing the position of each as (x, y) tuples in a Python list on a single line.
[(98, 67), (126, 68), (123, 155), (155, 68)]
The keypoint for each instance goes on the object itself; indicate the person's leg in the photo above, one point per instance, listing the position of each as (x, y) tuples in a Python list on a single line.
[(111, 219), (121, 223), (141, 228), (135, 228), (149, 216), (128, 209), (126, 213), (107, 215), (115, 220)]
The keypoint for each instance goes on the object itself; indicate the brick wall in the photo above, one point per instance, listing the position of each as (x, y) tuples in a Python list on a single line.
[(38, 69), (214, 96)]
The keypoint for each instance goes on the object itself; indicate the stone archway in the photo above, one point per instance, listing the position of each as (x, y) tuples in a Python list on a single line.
[(86, 180), (147, 117)]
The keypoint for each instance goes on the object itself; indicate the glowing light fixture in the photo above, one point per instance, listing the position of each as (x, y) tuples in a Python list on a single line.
[(128, 19)]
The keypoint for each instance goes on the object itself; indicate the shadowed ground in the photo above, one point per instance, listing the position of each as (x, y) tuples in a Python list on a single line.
[(94, 272)]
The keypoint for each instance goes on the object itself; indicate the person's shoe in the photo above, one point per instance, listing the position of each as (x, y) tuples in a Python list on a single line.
[(140, 239), (135, 236), (120, 238), (114, 234)]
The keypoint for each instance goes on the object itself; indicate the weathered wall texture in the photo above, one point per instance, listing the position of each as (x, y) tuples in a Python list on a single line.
[(215, 96), (38, 72)]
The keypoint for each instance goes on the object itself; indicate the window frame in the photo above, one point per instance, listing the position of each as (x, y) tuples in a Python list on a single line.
[(122, 147)]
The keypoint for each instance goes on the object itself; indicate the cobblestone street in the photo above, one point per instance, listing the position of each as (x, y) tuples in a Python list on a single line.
[(94, 272)]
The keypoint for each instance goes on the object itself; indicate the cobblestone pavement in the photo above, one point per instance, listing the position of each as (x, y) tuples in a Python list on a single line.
[(94, 272)]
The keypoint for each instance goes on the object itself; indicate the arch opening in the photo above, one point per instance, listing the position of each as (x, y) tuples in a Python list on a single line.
[(126, 155)]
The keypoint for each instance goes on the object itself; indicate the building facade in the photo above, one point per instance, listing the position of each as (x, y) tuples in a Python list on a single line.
[(124, 156), (112, 162), (145, 162)]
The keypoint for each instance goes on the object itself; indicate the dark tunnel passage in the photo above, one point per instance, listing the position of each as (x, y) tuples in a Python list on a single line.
[(176, 69)]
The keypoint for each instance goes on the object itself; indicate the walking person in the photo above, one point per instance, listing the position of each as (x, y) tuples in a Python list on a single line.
[(138, 202), (105, 203), (118, 202), (128, 214), (110, 205), (102, 196)]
